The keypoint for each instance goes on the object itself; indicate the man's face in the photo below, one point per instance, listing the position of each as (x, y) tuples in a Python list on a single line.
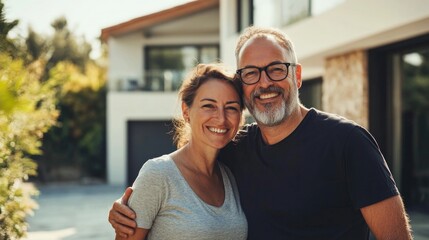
[(270, 102)]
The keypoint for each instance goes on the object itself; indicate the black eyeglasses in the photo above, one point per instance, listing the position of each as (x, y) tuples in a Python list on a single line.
[(275, 71)]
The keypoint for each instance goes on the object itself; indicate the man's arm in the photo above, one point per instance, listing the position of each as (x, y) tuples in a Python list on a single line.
[(387, 219), (121, 217), (140, 233)]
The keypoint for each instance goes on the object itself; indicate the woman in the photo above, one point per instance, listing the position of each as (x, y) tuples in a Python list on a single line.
[(187, 194)]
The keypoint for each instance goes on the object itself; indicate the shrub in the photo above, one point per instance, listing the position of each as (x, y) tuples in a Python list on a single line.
[(27, 111)]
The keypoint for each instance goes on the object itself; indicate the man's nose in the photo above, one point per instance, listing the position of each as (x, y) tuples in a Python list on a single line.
[(264, 80)]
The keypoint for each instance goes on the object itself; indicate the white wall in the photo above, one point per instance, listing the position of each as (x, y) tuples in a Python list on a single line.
[(125, 59), (125, 106)]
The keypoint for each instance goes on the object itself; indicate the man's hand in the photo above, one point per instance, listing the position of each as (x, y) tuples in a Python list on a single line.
[(121, 217)]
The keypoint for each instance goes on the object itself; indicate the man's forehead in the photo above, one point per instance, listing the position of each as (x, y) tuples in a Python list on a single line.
[(251, 55), (257, 39)]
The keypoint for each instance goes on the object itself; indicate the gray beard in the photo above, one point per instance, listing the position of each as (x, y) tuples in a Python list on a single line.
[(274, 115)]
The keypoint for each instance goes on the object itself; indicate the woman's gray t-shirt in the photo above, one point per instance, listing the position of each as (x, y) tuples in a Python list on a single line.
[(166, 204)]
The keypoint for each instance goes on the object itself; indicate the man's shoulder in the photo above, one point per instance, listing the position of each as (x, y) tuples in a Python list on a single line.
[(332, 119)]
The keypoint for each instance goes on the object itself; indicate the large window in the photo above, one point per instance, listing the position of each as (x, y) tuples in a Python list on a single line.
[(279, 13), (271, 13), (414, 121), (167, 66)]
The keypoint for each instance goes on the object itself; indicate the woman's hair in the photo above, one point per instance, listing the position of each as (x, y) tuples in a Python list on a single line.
[(197, 77)]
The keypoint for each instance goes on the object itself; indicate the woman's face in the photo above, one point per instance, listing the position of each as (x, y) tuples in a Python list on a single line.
[(215, 114)]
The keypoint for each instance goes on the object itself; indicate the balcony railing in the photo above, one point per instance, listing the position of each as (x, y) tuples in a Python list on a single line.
[(154, 81)]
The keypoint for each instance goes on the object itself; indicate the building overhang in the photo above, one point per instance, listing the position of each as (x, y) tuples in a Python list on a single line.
[(157, 18)]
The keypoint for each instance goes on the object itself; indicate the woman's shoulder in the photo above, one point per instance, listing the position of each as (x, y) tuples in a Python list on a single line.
[(159, 162), (158, 166)]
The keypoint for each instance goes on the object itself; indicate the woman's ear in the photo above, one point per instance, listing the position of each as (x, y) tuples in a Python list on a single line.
[(185, 112)]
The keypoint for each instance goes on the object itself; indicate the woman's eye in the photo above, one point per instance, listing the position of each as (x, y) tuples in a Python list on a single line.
[(208, 106)]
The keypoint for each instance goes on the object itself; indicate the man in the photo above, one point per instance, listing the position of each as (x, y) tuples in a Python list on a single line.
[(301, 173)]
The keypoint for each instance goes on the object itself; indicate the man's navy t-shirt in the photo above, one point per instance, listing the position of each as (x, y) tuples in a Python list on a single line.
[(311, 184)]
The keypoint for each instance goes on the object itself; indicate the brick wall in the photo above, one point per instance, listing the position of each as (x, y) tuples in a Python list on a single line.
[(345, 86)]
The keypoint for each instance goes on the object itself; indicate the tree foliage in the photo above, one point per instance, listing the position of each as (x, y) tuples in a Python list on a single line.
[(27, 111), (36, 45), (65, 46), (78, 142), (51, 93), (6, 44)]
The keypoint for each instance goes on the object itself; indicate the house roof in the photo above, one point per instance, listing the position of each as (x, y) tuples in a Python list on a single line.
[(157, 18)]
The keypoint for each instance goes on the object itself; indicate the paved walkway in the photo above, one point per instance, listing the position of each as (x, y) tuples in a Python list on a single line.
[(72, 212)]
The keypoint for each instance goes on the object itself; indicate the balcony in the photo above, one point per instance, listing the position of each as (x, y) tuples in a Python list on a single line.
[(153, 81)]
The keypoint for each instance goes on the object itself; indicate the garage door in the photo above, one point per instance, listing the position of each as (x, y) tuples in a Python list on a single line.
[(146, 140)]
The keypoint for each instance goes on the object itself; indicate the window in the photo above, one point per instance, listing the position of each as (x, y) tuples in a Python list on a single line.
[(310, 93), (278, 13), (244, 14), (321, 6), (399, 113), (167, 66), (294, 11)]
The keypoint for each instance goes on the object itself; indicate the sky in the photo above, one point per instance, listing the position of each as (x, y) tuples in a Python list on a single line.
[(84, 17)]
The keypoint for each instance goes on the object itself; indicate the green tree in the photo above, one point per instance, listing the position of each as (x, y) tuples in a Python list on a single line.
[(78, 143), (65, 46), (27, 111), (37, 46), (6, 44)]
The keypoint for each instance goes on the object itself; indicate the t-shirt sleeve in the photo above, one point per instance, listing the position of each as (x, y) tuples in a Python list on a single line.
[(368, 176), (148, 194)]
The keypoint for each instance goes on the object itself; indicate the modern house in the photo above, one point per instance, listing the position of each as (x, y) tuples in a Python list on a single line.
[(365, 60)]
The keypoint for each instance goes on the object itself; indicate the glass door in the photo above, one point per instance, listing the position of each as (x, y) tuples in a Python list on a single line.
[(414, 124)]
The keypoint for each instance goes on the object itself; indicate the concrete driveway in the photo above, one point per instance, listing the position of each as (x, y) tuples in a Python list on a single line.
[(72, 212)]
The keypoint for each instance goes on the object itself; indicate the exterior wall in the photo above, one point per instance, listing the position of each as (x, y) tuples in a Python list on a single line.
[(124, 106), (228, 33), (125, 60), (345, 86)]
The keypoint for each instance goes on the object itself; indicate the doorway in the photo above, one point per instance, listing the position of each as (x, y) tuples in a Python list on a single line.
[(399, 114)]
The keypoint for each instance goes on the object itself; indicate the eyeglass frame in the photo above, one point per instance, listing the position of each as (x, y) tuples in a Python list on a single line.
[(288, 64)]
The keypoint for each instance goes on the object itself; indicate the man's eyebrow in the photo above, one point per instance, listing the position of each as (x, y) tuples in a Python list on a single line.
[(264, 66)]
